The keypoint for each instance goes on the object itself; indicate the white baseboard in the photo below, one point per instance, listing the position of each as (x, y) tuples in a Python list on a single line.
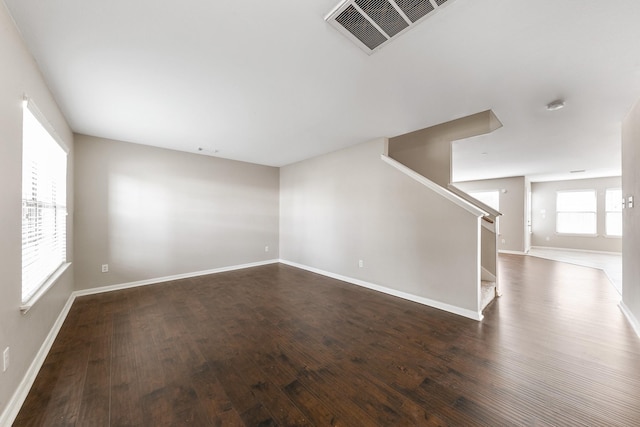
[(110, 288), (17, 400), (15, 403), (552, 248), (421, 300), (505, 251), (635, 324)]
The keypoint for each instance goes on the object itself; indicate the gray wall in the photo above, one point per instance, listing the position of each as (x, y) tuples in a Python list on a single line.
[(24, 334), (528, 214), (631, 217), (428, 151), (349, 205), (150, 212), (512, 207), (544, 225)]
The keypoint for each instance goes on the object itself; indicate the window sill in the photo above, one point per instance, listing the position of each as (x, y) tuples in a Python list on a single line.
[(575, 234), (26, 306)]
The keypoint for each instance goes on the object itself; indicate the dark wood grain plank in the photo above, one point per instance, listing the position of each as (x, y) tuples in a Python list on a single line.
[(275, 345)]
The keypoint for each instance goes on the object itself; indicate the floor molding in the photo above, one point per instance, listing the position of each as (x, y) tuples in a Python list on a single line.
[(635, 324), (111, 288), (553, 248), (506, 251), (420, 300), (15, 403)]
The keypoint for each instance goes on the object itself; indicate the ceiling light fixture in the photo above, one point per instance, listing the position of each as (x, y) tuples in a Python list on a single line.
[(206, 150), (555, 105)]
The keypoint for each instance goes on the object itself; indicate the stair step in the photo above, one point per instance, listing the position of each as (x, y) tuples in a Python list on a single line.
[(488, 293)]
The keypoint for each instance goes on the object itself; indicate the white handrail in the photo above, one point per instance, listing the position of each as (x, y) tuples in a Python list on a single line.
[(474, 201), (435, 187)]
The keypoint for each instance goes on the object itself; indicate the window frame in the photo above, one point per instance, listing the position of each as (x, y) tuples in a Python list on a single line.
[(59, 207), (594, 212)]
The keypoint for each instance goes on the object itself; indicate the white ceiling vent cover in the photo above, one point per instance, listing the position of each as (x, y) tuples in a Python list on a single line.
[(371, 24)]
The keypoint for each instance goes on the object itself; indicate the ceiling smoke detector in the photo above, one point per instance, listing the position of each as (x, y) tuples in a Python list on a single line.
[(555, 105), (371, 24)]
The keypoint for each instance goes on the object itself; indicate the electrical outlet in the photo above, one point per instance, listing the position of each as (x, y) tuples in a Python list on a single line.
[(105, 268), (266, 248), (5, 359), (360, 263)]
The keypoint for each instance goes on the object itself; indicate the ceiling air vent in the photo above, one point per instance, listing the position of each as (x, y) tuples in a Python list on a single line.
[(373, 23)]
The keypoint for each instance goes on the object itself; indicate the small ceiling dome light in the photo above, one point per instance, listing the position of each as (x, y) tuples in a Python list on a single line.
[(555, 105)]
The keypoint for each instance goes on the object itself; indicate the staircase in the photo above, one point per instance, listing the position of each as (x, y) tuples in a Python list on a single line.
[(487, 293), (488, 287), (427, 154)]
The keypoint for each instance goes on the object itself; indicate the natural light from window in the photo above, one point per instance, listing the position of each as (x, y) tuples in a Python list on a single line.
[(44, 195), (576, 212)]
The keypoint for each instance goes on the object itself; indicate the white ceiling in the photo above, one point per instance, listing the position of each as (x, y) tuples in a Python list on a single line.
[(271, 82)]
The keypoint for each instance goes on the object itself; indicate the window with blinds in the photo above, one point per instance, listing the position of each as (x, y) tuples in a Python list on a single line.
[(44, 211), (576, 212)]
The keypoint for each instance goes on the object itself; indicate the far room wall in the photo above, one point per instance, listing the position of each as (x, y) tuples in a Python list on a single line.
[(543, 200), (150, 212), (349, 205)]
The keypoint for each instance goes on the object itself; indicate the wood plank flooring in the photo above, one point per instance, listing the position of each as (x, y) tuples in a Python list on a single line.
[(275, 345)]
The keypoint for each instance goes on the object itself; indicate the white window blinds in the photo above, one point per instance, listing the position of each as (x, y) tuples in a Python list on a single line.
[(44, 211), (576, 212)]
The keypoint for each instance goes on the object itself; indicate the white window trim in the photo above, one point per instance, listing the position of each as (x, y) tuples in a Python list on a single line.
[(42, 290), (25, 306), (558, 233), (33, 107)]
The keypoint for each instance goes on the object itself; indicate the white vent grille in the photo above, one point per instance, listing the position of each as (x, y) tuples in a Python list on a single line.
[(373, 23), (360, 27), (415, 9), (384, 14)]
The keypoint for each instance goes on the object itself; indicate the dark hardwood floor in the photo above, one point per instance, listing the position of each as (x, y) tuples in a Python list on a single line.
[(275, 345)]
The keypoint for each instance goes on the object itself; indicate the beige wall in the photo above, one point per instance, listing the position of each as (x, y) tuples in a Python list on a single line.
[(631, 217), (150, 212), (512, 206), (428, 151), (544, 215), (24, 334), (349, 205), (528, 214)]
